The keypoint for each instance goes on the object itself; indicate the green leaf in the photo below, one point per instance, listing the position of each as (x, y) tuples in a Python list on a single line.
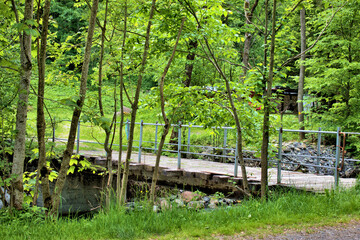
[(73, 161), (85, 163), (71, 170), (53, 175)]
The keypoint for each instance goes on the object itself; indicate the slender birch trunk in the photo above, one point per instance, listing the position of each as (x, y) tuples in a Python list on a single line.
[(266, 125), (166, 120), (21, 112), (118, 180), (76, 114), (134, 107), (42, 170), (302, 74)]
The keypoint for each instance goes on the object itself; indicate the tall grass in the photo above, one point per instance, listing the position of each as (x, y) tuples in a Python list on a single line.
[(281, 211)]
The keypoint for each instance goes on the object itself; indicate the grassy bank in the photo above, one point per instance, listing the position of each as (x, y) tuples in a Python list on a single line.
[(252, 217), (58, 101)]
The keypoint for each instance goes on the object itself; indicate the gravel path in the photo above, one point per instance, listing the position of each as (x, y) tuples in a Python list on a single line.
[(343, 231)]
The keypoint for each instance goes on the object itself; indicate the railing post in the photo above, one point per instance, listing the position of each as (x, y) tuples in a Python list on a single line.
[(188, 140), (78, 139), (236, 158), (225, 142), (318, 151), (179, 146), (280, 156), (127, 129), (336, 172), (156, 133), (140, 140)]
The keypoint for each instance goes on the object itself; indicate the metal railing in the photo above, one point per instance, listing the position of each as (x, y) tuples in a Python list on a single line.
[(317, 157), (225, 147)]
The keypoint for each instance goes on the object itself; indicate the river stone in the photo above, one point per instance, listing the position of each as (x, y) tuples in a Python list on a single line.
[(164, 204), (196, 205), (179, 202), (188, 196), (212, 206), (214, 201), (156, 209), (352, 173), (206, 199)]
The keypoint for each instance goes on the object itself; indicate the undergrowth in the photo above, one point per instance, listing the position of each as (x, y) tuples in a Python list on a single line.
[(253, 216)]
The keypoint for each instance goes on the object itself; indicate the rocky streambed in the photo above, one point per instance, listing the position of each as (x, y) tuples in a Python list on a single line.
[(305, 158), (192, 200)]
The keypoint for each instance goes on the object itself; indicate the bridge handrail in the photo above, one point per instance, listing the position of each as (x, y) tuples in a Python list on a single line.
[(279, 162)]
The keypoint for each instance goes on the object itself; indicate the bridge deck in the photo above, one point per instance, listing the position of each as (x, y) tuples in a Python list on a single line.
[(308, 181)]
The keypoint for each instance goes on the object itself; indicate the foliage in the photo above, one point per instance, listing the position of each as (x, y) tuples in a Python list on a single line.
[(80, 165), (332, 78), (335, 68), (209, 107)]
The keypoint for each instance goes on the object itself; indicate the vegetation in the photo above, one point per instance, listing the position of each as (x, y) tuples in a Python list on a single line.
[(93, 59), (292, 210)]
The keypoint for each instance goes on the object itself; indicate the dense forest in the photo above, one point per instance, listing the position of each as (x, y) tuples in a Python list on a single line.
[(212, 63)]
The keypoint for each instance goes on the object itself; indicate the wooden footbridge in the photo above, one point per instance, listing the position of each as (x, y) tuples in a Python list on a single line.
[(82, 192), (187, 171), (200, 173)]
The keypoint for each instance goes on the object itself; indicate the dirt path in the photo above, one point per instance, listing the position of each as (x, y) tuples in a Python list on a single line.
[(343, 231)]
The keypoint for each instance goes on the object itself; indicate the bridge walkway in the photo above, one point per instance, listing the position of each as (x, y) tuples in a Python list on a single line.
[(308, 181)]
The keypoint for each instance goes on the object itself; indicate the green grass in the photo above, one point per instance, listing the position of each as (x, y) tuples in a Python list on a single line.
[(282, 211), (56, 94), (59, 112)]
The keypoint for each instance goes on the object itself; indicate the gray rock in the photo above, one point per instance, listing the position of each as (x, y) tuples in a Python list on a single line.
[(196, 205), (164, 204), (206, 199), (214, 201), (156, 208), (212, 206), (7, 198), (179, 203), (352, 173)]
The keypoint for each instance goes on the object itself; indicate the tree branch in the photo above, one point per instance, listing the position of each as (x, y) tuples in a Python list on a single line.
[(14, 69), (292, 10), (317, 39)]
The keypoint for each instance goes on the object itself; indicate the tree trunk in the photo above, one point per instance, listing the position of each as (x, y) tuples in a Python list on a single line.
[(239, 136), (102, 45), (189, 65), (247, 43), (42, 170), (302, 75), (108, 149), (166, 120), (266, 125), (265, 46), (21, 114), (76, 114), (118, 180), (211, 57), (135, 106)]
